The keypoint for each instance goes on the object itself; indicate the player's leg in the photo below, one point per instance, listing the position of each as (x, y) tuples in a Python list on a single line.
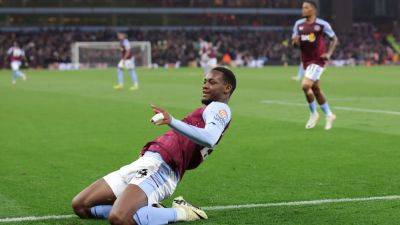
[(206, 69), (307, 84), (126, 205), (130, 65), (330, 117), (202, 65), (14, 77), (135, 80), (96, 200), (23, 75), (152, 181), (97, 194), (300, 73), (181, 211), (19, 72), (132, 207), (212, 64), (319, 95), (120, 75), (15, 74)]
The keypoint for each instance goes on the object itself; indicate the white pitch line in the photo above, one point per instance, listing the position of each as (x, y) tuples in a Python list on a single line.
[(362, 99), (227, 207), (335, 107), (300, 203), (36, 218)]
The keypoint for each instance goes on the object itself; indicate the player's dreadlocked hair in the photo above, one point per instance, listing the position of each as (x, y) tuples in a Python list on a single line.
[(229, 77), (311, 2)]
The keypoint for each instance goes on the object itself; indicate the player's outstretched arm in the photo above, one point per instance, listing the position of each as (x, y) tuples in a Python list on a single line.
[(207, 136)]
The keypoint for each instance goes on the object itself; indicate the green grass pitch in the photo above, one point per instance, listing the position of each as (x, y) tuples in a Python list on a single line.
[(61, 130)]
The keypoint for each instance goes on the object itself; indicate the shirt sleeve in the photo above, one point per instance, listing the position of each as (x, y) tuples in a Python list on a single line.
[(10, 50), (328, 30), (216, 117), (126, 44), (295, 30), (217, 114)]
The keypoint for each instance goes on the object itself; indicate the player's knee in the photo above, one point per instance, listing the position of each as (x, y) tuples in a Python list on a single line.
[(117, 218), (315, 89), (306, 87), (80, 207)]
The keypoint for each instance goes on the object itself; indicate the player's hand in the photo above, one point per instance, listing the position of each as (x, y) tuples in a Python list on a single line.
[(296, 41), (167, 117), (326, 56), (121, 64), (125, 64)]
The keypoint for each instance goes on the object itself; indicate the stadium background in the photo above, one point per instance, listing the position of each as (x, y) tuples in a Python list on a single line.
[(252, 33)]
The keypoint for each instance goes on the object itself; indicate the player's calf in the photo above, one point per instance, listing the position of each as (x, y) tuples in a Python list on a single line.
[(95, 195)]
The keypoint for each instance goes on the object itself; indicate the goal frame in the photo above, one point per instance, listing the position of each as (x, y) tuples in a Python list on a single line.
[(106, 45)]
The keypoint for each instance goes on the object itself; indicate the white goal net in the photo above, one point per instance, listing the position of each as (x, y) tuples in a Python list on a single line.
[(108, 54)]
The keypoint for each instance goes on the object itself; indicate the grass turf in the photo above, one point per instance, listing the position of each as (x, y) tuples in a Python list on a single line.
[(61, 130)]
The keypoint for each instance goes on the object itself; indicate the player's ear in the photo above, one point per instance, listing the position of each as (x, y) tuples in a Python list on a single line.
[(228, 88)]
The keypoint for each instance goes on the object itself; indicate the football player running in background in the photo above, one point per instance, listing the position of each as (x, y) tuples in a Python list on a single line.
[(208, 56), (127, 62), (308, 34), (300, 73), (129, 195), (16, 55)]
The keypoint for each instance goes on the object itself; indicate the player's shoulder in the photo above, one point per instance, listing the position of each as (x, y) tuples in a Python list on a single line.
[(322, 22), (216, 104), (300, 21), (220, 108), (125, 41)]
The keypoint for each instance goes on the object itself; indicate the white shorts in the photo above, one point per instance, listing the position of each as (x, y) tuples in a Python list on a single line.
[(127, 64), (212, 62), (15, 65), (313, 72), (150, 173)]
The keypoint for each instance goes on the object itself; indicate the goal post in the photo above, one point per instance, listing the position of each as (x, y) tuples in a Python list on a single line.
[(108, 54)]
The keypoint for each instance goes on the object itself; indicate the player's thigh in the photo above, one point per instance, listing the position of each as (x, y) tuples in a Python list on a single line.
[(121, 64), (153, 176), (98, 193), (317, 87), (160, 185), (150, 181), (307, 83), (313, 72), (316, 84), (126, 205), (129, 64), (212, 63)]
